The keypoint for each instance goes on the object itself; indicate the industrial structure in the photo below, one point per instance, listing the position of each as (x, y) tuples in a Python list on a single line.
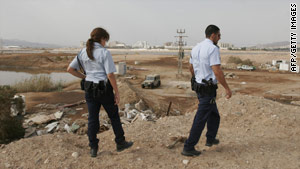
[(180, 43)]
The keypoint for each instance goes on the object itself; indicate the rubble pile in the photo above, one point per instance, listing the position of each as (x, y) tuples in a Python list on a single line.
[(56, 118)]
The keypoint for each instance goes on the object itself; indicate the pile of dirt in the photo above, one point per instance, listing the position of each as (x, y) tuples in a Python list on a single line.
[(254, 133)]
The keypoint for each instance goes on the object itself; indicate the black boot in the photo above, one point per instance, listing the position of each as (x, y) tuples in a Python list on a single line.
[(190, 152), (210, 143), (94, 152), (124, 145)]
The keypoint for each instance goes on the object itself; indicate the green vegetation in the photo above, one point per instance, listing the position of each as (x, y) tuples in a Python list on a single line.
[(41, 83), (237, 60), (11, 127)]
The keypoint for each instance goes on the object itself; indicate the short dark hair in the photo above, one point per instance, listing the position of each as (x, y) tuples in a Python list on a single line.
[(210, 29)]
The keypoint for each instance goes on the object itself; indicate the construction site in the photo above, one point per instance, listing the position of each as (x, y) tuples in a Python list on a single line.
[(259, 124)]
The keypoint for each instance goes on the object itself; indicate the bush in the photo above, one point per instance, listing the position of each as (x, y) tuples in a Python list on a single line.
[(247, 62), (42, 83), (11, 127), (237, 61)]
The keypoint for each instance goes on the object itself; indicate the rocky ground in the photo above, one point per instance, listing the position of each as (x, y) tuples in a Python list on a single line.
[(254, 133)]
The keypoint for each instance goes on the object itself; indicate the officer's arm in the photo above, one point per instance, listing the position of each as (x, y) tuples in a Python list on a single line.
[(192, 70), (221, 79), (74, 72), (113, 83)]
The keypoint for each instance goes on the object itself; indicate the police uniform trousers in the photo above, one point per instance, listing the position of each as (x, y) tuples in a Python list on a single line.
[(94, 104), (207, 113)]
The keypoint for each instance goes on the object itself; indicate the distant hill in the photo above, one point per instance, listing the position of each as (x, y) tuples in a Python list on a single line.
[(283, 44), (26, 44)]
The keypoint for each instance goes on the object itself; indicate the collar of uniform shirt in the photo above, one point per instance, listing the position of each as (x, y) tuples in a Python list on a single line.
[(208, 40), (98, 44)]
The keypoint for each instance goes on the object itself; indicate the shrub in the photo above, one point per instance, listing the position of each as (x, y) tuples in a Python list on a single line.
[(41, 83), (247, 62), (233, 59), (11, 127), (237, 61)]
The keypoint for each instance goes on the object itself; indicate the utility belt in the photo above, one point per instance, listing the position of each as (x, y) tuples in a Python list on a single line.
[(97, 89), (206, 88)]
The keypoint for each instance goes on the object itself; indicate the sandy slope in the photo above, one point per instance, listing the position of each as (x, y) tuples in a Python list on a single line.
[(254, 133)]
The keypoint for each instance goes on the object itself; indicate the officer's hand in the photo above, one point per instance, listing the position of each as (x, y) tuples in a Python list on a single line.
[(117, 98), (228, 93)]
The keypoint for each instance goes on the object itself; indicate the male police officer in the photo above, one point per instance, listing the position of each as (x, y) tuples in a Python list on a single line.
[(205, 67)]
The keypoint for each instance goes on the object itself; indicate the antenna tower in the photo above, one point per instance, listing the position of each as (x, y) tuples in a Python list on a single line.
[(180, 43)]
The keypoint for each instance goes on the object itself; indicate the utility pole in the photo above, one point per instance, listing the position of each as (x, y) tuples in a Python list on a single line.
[(181, 43), (1, 45)]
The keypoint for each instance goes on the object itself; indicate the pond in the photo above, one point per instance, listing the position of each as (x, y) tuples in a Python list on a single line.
[(12, 77)]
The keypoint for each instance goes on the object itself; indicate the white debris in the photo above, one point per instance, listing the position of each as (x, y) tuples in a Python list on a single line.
[(46, 161), (41, 132), (80, 108), (243, 83), (67, 128), (51, 126), (40, 119), (18, 105), (58, 114), (85, 115), (185, 162), (132, 113), (127, 107), (75, 155), (140, 105)]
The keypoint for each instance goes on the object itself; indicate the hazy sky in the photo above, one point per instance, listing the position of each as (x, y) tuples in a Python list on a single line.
[(67, 22)]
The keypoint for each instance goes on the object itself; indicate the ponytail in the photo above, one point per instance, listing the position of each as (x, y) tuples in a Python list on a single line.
[(96, 36), (89, 48)]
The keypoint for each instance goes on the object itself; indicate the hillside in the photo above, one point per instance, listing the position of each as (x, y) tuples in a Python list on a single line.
[(254, 133)]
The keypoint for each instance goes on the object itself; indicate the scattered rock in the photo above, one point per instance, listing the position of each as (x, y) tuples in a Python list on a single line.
[(295, 102), (75, 155), (18, 105), (243, 83), (70, 111), (30, 131), (46, 161), (85, 115), (132, 113), (81, 122), (78, 109), (41, 132), (185, 162), (7, 165), (51, 126), (67, 128), (58, 115), (74, 127)]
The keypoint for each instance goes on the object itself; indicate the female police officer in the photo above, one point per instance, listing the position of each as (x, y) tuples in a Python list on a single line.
[(99, 85)]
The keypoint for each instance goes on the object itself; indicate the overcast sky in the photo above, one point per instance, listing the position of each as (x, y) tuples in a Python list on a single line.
[(67, 22)]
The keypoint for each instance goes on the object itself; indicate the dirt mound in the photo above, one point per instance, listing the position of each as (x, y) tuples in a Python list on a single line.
[(254, 133)]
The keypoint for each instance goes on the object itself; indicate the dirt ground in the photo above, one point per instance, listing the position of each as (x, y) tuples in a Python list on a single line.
[(259, 124)]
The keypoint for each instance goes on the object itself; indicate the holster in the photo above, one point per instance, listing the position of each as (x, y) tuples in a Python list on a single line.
[(96, 89), (193, 81), (206, 88)]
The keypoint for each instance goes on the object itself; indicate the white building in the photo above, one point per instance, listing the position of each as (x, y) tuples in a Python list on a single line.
[(141, 45), (225, 45), (116, 44), (284, 66)]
